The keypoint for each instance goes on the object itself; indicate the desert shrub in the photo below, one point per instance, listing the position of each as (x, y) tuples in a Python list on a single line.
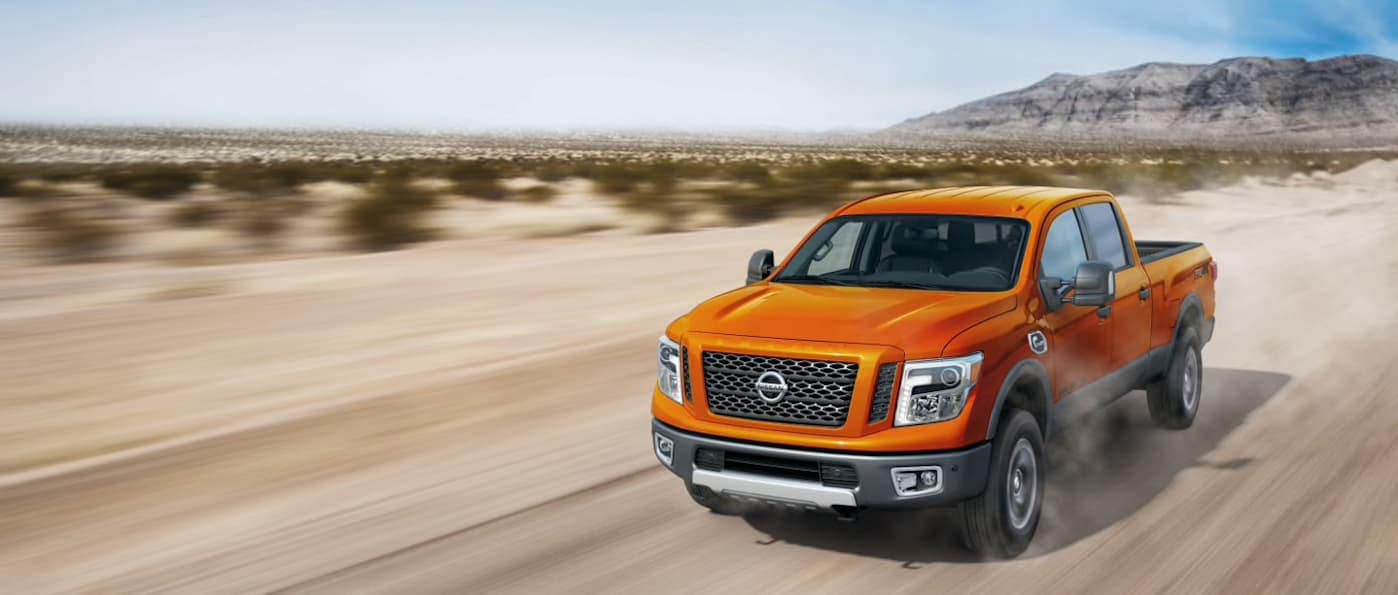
[(38, 191), (63, 173), (616, 178), (848, 170), (662, 176), (749, 172), (541, 193), (954, 172), (658, 177), (266, 179), (291, 175), (1170, 178), (351, 173), (1110, 177), (1155, 181), (262, 221), (665, 211), (479, 178), (195, 214), (819, 184), (69, 234), (151, 181), (390, 217), (399, 173), (9, 181), (551, 171), (902, 171), (746, 207), (1017, 174)]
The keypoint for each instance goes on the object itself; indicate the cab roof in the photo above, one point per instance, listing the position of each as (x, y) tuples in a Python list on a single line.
[(991, 201)]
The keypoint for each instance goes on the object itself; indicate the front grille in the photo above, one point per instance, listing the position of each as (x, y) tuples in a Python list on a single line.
[(836, 475), (818, 392), (883, 393)]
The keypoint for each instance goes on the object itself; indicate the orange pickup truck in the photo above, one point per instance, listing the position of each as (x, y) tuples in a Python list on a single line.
[(917, 349)]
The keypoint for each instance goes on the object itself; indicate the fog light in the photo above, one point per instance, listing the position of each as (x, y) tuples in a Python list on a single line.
[(906, 481), (917, 481), (665, 449)]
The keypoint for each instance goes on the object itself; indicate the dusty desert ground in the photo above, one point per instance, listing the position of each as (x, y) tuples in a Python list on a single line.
[(471, 416)]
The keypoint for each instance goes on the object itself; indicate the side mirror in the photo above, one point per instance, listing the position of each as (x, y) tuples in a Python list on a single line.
[(1094, 284), (760, 265)]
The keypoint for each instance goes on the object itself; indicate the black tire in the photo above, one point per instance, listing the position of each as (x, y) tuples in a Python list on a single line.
[(1174, 399), (1001, 521), (716, 503)]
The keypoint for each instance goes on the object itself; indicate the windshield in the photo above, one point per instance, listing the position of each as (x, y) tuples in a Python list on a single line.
[(942, 252)]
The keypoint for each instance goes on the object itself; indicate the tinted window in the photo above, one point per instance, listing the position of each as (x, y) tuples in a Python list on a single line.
[(1063, 249), (1105, 234)]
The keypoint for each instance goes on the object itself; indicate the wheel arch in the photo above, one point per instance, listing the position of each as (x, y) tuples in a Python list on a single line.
[(1191, 314), (1027, 387)]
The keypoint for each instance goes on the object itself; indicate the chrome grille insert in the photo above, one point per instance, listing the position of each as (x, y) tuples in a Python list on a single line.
[(817, 393)]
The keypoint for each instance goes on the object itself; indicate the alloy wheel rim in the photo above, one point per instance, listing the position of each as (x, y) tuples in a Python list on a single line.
[(1022, 484), (1190, 384)]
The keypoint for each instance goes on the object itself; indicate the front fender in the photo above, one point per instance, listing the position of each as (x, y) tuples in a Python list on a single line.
[(1031, 370)]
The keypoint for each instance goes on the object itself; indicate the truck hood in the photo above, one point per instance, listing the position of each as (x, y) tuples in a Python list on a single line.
[(919, 322)]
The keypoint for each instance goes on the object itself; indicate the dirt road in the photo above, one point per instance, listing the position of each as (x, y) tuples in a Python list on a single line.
[(472, 417)]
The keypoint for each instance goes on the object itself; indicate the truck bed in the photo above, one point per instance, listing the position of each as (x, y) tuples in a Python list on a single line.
[(1151, 251)]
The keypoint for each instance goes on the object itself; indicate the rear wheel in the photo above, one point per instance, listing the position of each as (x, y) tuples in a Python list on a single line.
[(1002, 520), (1174, 399)]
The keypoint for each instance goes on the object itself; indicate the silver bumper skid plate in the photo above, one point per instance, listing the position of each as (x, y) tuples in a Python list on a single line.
[(773, 489)]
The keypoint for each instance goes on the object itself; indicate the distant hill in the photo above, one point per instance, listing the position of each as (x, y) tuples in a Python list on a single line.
[(1345, 101)]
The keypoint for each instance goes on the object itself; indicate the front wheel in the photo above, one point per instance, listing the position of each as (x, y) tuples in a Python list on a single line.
[(1002, 520), (1174, 399)]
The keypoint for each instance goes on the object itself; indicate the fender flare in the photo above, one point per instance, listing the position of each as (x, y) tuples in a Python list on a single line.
[(1036, 372), (1191, 303)]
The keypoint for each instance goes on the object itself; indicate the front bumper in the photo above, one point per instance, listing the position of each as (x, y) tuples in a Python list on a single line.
[(962, 472)]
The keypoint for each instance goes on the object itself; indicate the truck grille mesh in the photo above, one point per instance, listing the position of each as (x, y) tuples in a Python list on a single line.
[(818, 392), (883, 393)]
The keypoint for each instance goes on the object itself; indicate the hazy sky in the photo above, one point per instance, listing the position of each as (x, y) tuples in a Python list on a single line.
[(526, 64)]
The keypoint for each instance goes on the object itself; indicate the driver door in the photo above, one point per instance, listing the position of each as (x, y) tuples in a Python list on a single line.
[(1080, 338)]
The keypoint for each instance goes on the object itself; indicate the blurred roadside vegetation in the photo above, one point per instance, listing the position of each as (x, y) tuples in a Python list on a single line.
[(259, 198), (390, 216), (72, 233)]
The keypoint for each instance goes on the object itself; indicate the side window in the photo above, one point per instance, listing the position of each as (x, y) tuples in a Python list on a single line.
[(1105, 232), (837, 253), (1063, 248)]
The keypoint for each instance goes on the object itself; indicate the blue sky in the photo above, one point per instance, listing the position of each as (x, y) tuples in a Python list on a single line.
[(618, 64)]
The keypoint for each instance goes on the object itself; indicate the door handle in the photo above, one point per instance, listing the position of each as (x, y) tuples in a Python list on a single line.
[(1104, 312), (1144, 294)]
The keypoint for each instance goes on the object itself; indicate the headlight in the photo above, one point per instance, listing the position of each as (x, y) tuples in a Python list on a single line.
[(670, 369), (936, 389)]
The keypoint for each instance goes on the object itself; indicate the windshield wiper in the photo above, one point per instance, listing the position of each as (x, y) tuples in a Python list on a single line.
[(855, 282), (897, 284), (816, 280)]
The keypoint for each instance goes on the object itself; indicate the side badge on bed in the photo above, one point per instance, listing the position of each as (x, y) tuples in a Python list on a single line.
[(1038, 343)]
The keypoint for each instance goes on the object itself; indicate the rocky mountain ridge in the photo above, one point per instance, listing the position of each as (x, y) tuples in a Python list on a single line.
[(1350, 100)]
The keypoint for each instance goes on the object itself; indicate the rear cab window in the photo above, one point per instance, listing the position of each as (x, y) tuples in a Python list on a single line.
[(1105, 237)]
